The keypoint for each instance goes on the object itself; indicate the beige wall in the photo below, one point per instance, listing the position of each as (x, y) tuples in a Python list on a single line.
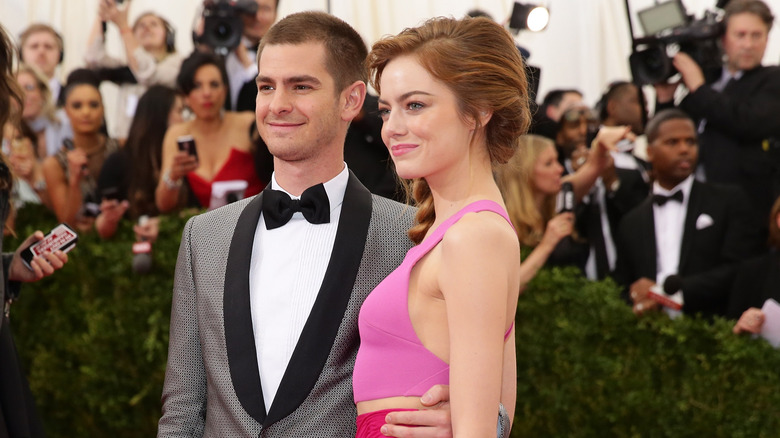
[(585, 46)]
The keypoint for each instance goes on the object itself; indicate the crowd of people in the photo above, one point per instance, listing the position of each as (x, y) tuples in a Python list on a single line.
[(714, 156), (681, 208)]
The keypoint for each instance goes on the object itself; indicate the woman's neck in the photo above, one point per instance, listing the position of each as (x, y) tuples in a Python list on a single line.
[(209, 125), (88, 142), (451, 195), (159, 53)]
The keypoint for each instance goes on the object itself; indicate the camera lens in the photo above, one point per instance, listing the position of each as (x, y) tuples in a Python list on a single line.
[(222, 31), (651, 65)]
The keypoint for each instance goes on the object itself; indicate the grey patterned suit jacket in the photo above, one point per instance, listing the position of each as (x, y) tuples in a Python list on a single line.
[(212, 384)]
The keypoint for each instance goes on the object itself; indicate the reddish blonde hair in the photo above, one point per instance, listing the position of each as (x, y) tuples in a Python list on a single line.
[(478, 61)]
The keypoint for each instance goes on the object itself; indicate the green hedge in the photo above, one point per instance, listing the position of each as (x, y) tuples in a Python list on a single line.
[(94, 337), (94, 340), (587, 367)]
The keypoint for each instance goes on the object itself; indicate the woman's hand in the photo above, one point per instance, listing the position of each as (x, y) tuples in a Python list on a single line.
[(109, 11), (147, 230), (183, 163), (77, 165), (557, 228), (605, 143), (750, 322), (42, 266), (23, 166), (112, 210)]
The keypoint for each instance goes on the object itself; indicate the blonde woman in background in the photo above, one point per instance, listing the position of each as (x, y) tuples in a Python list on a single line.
[(50, 125), (530, 183)]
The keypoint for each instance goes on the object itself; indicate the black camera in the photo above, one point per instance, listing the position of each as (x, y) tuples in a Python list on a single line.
[(222, 25), (667, 24)]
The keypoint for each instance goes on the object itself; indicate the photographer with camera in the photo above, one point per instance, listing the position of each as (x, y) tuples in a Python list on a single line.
[(736, 111), (150, 51), (233, 29)]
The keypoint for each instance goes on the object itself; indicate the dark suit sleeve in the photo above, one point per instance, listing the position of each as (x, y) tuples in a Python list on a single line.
[(633, 190), (625, 272), (707, 291), (746, 291), (184, 390), (10, 288), (747, 111)]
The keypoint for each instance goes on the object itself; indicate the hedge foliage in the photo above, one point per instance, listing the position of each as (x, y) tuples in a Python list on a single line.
[(94, 341), (94, 336), (587, 367)]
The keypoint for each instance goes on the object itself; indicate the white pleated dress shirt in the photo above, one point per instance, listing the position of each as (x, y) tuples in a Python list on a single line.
[(669, 228), (286, 271)]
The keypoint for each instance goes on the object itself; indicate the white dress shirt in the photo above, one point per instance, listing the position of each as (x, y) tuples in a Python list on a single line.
[(669, 228), (285, 275)]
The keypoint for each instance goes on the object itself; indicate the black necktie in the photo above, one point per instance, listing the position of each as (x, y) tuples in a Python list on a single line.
[(278, 207), (661, 199)]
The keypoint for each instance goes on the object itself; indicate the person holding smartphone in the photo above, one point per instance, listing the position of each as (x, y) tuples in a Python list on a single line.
[(532, 181), (18, 416), (219, 147), (129, 177)]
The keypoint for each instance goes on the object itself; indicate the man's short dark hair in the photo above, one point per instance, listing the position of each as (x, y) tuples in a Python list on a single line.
[(476, 12), (614, 90), (756, 7), (653, 128), (554, 97), (345, 50)]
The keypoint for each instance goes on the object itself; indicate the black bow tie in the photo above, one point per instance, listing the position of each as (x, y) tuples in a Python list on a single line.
[(662, 199), (278, 207)]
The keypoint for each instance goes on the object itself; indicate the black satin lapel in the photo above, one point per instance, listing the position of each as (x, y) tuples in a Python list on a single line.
[(694, 209), (323, 323), (239, 336)]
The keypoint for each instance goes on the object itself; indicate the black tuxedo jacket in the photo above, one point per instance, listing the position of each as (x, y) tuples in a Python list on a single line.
[(632, 191), (709, 252), (757, 280)]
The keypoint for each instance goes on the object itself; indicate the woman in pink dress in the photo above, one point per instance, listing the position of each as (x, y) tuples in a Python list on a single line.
[(453, 97)]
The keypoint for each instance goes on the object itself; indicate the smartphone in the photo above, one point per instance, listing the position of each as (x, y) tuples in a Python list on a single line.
[(110, 193), (187, 143), (62, 237)]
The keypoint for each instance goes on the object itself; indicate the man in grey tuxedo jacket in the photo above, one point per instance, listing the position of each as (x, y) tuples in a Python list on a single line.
[(264, 320)]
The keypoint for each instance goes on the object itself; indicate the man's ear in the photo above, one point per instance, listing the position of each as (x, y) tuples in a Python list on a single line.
[(352, 98)]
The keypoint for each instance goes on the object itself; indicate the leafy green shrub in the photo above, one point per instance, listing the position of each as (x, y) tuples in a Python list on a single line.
[(94, 336), (94, 340), (587, 367)]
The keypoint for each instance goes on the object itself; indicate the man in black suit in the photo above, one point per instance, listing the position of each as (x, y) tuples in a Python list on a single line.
[(621, 186), (696, 231), (736, 108)]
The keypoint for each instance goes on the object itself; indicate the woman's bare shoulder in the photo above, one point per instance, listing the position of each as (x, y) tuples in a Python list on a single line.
[(178, 129), (239, 119)]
